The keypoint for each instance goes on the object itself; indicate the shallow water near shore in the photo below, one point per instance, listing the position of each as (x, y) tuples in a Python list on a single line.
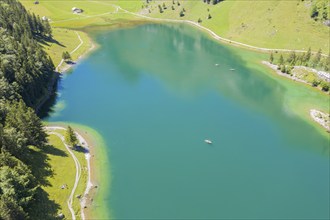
[(156, 92)]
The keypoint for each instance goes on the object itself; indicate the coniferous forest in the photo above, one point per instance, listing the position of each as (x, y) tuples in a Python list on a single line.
[(25, 75)]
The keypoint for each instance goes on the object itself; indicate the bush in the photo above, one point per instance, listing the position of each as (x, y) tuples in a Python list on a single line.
[(325, 86), (315, 83)]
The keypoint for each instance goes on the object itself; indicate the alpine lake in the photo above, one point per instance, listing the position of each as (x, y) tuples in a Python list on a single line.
[(155, 92)]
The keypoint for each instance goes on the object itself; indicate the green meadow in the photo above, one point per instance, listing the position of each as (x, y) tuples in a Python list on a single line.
[(267, 24), (52, 199)]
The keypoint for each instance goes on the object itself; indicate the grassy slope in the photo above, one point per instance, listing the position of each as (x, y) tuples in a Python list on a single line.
[(100, 169), (63, 171), (66, 40), (83, 178), (270, 24)]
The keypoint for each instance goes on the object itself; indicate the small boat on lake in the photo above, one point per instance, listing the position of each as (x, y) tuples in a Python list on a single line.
[(208, 141), (217, 64), (232, 69)]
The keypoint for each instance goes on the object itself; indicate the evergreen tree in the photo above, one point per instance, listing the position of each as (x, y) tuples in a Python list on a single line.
[(47, 28), (17, 187), (271, 57), (160, 9), (25, 73), (314, 12), (70, 137), (281, 60), (292, 58), (66, 56), (327, 63), (317, 58), (308, 55)]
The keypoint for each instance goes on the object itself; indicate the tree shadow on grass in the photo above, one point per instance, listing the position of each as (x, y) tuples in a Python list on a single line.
[(49, 149), (46, 40), (40, 165), (43, 207)]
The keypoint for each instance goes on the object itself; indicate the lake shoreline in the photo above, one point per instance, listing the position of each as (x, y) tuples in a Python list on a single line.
[(62, 69), (94, 182), (312, 112), (94, 193), (126, 137)]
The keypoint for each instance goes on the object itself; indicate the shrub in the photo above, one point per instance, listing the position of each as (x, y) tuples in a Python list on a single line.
[(315, 83), (325, 86)]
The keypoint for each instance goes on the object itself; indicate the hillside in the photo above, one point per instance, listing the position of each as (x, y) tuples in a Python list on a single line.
[(269, 24), (26, 73)]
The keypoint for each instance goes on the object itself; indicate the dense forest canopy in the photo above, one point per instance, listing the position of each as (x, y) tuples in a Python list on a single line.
[(24, 67), (25, 74)]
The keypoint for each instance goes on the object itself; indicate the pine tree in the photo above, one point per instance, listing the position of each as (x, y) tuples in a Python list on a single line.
[(314, 12), (66, 56), (308, 55), (292, 58), (317, 58), (47, 28), (281, 60), (271, 57), (70, 137)]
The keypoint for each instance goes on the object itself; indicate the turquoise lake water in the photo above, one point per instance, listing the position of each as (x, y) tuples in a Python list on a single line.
[(154, 93)]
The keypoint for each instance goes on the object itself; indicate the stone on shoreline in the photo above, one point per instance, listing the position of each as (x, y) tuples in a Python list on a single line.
[(321, 118)]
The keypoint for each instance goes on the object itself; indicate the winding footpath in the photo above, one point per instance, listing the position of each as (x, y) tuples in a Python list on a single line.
[(212, 33), (82, 141), (74, 50)]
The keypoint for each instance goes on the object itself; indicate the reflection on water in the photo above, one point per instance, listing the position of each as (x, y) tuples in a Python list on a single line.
[(155, 94), (171, 56)]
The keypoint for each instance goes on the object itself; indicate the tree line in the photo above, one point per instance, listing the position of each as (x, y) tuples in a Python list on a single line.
[(286, 63), (316, 61), (25, 72)]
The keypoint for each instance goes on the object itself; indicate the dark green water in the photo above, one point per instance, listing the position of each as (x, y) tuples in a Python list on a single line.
[(154, 93)]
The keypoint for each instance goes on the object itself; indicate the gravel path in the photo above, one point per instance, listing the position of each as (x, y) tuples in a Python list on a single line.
[(74, 50), (82, 141)]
